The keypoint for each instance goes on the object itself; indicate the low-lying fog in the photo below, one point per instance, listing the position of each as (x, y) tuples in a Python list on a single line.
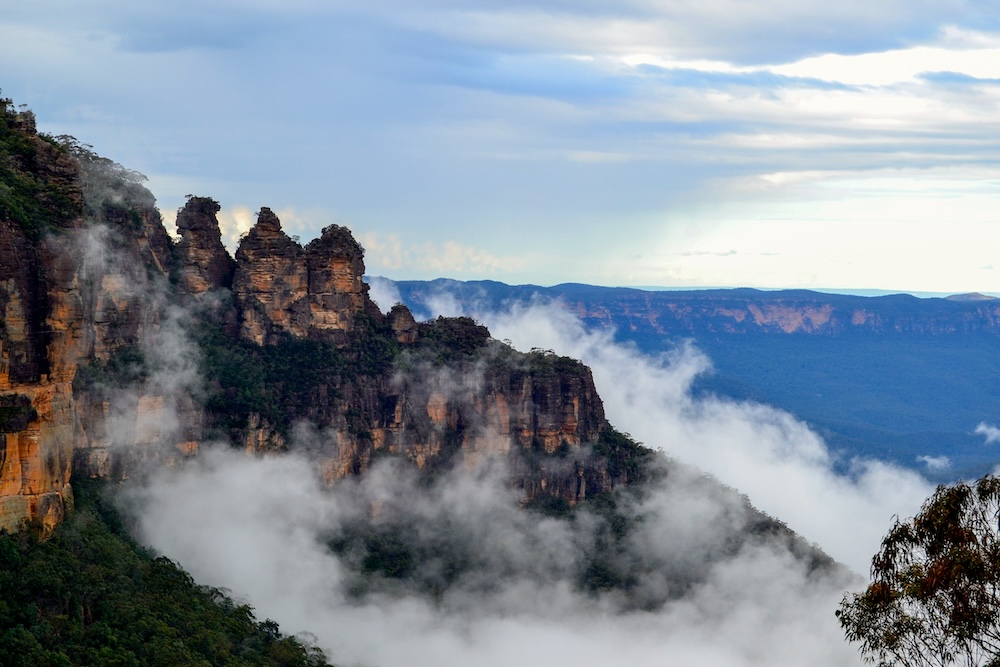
[(261, 527)]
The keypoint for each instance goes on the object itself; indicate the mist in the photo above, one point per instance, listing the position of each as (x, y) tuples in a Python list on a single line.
[(261, 527), (268, 530), (785, 468)]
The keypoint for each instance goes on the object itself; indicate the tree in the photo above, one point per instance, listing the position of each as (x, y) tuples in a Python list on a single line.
[(934, 599)]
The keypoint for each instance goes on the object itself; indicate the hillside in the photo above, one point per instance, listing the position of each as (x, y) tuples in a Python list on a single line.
[(893, 377)]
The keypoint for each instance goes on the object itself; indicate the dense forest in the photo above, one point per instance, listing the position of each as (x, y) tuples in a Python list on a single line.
[(89, 595)]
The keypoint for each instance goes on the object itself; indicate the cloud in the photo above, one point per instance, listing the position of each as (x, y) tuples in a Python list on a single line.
[(390, 253), (260, 528), (935, 463), (383, 292), (990, 432), (896, 66), (234, 222), (785, 468)]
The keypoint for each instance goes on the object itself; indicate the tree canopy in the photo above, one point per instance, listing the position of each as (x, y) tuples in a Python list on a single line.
[(89, 595), (934, 598)]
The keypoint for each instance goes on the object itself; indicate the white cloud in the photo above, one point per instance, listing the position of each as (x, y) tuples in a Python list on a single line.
[(383, 292), (234, 222), (989, 431), (897, 66), (785, 468), (389, 252), (259, 527), (935, 463)]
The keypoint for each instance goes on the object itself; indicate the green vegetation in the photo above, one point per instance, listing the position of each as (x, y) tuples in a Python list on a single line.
[(292, 379), (451, 339), (112, 193), (276, 382), (89, 595), (628, 460), (125, 367), (547, 363), (37, 190), (935, 592)]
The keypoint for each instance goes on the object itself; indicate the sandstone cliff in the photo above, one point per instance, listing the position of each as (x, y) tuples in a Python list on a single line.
[(36, 419), (83, 256), (103, 369)]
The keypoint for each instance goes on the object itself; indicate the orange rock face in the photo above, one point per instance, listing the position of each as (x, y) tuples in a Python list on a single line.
[(73, 298)]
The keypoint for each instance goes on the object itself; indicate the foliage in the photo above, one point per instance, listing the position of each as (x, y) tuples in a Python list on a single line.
[(32, 197), (628, 460), (935, 592), (127, 366), (292, 379), (547, 363), (451, 338), (112, 193), (90, 596), (373, 348), (275, 382)]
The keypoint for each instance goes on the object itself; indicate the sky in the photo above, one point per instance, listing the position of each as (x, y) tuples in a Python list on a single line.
[(849, 145)]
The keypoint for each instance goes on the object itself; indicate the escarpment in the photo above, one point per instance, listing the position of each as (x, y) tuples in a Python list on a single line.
[(112, 360), (84, 259)]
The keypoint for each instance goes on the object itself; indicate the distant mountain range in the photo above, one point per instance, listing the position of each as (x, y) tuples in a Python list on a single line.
[(895, 377)]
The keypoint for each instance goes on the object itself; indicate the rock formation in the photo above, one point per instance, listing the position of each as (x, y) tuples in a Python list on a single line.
[(82, 259), (284, 289), (204, 262)]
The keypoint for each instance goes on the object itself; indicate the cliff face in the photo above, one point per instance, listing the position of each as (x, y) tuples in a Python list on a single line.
[(36, 350), (499, 404), (812, 314), (99, 375), (83, 261)]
